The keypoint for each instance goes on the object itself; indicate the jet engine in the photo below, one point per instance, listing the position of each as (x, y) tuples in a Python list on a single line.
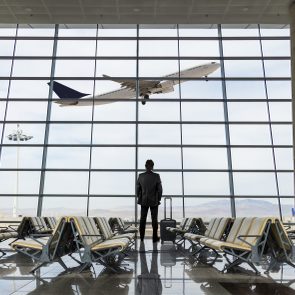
[(163, 87)]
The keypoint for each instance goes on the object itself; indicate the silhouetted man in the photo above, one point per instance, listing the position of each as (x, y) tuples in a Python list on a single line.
[(149, 193)]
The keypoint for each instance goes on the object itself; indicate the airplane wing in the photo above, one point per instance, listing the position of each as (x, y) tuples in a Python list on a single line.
[(144, 85)]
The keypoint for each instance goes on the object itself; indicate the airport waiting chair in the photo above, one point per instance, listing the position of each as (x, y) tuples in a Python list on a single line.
[(210, 231), (51, 222), (281, 245), (108, 234), (15, 232), (38, 225), (187, 225), (91, 245), (118, 225), (45, 249), (245, 242)]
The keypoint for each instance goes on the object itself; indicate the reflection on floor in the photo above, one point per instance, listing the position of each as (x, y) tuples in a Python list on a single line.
[(152, 269)]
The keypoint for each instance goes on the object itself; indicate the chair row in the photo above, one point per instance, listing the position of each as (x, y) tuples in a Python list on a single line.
[(27, 226), (90, 237), (246, 239)]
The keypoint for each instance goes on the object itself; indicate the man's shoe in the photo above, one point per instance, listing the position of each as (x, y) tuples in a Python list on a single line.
[(155, 240), (141, 239)]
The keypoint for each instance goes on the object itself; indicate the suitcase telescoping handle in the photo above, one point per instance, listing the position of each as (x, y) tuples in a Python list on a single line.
[(165, 209)]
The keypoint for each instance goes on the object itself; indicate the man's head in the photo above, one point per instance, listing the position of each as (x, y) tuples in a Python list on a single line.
[(149, 165)]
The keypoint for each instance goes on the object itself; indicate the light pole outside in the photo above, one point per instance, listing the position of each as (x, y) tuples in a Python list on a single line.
[(17, 136)]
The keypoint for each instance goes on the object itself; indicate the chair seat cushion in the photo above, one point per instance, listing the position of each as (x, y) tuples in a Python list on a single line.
[(220, 245), (113, 243), (30, 243), (8, 235)]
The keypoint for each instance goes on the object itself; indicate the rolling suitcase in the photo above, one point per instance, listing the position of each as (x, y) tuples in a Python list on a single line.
[(167, 222)]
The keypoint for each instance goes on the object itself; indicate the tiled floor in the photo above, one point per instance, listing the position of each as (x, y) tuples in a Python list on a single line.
[(151, 269)]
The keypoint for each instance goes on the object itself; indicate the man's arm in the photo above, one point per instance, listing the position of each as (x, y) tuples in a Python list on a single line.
[(159, 188), (138, 191)]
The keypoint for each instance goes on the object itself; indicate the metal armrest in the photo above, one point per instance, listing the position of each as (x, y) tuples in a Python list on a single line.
[(39, 235), (248, 236), (11, 227)]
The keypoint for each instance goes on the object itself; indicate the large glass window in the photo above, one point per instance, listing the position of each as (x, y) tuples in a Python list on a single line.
[(126, 94)]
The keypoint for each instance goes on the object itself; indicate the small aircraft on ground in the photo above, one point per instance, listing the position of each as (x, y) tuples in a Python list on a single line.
[(72, 97)]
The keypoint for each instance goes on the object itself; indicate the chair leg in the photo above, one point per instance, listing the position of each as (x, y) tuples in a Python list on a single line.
[(231, 265), (37, 267), (3, 253), (62, 264)]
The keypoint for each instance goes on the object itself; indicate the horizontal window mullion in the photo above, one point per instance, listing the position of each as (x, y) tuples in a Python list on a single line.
[(142, 170)]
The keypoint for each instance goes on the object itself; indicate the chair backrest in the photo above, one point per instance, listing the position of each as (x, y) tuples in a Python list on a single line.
[(201, 228), (121, 223), (23, 228), (234, 229), (214, 227), (280, 235), (183, 223), (44, 225), (104, 227), (223, 224), (257, 228), (51, 221), (61, 240), (189, 224), (245, 226), (87, 229), (209, 227)]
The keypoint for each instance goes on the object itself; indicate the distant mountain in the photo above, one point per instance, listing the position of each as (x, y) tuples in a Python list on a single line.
[(216, 208)]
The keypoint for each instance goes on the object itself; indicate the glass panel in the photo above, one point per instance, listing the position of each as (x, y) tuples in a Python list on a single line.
[(33, 89), (157, 68), (164, 158), (34, 47), (282, 134), (69, 134), (190, 32), (36, 130), (31, 68), (117, 32), (5, 68), (176, 214), (68, 157), (276, 47), (76, 48), (26, 206), (74, 68), (158, 48), (159, 111), (113, 158), (202, 111), (158, 134), (113, 134), (257, 207), (277, 68), (112, 207), (6, 47), (203, 134), (28, 182), (206, 207), (26, 111), (247, 111), (284, 158), (205, 158), (36, 31), (171, 183), (64, 206), (77, 32), (281, 111), (249, 134), (206, 183), (287, 205), (116, 68), (156, 32), (243, 68), (241, 48), (228, 32), (252, 158), (279, 89), (199, 48), (254, 184), (110, 183), (3, 88), (57, 182), (201, 89), (245, 89), (28, 157), (286, 184)]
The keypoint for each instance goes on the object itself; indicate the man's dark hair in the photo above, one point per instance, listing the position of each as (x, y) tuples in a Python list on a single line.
[(149, 164)]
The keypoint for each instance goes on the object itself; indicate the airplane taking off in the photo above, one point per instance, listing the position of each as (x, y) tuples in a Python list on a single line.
[(71, 97)]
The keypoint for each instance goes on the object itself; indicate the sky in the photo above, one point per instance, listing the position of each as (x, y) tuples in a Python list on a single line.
[(122, 183)]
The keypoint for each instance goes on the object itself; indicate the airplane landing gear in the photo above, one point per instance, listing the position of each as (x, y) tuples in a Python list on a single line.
[(145, 97)]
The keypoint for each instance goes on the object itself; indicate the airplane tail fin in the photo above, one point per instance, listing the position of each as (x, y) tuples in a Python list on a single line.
[(65, 92)]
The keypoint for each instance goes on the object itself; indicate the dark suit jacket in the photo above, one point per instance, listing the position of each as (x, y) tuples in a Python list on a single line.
[(149, 189)]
